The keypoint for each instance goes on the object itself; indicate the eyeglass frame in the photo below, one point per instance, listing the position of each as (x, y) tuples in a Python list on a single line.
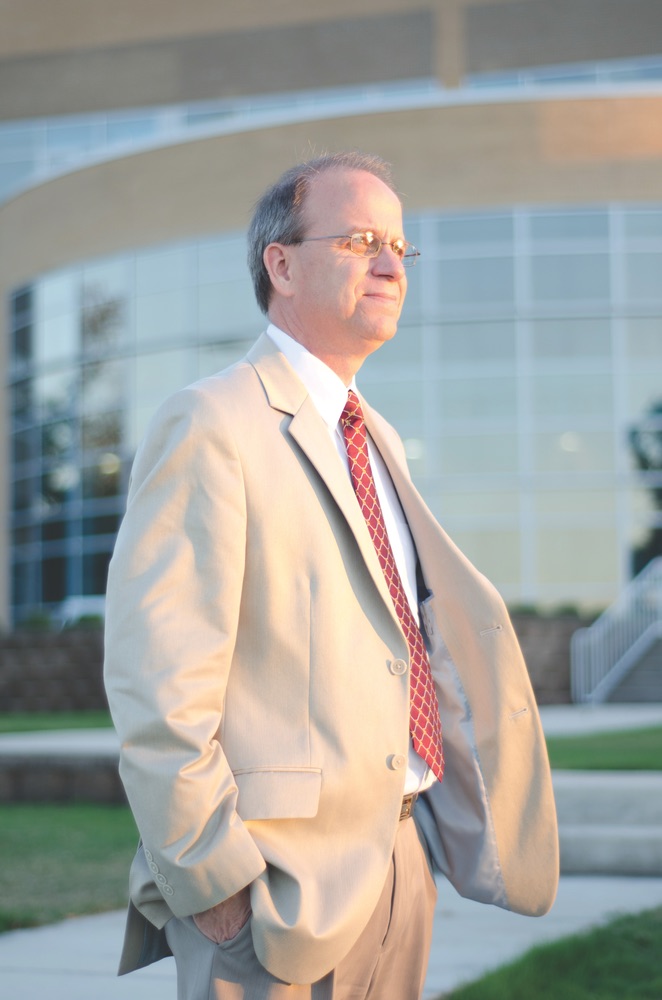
[(408, 258)]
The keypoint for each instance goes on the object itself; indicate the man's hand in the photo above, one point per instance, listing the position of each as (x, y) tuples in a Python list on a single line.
[(224, 921)]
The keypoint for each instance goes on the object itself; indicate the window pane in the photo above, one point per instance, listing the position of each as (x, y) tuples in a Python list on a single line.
[(556, 278), (60, 482), (130, 129), (645, 224), (56, 394), (57, 294), (488, 503), (478, 454), (102, 430), (12, 175), (495, 553), (479, 399), (215, 357), (476, 342), (103, 385), (157, 377), (475, 230), (476, 281), (574, 451), (222, 260), (164, 270), (56, 338), (103, 479), (58, 438), (95, 572), (574, 501), (570, 338), (105, 310), (577, 555), (54, 580), (643, 276), (240, 311), (569, 227), (211, 300), (22, 494), (163, 316), (404, 351), (644, 392), (71, 137), (24, 446), (644, 339), (561, 395), (101, 524), (401, 402), (22, 402)]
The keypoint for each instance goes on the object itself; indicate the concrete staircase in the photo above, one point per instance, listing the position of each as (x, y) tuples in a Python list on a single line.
[(610, 822), (643, 684)]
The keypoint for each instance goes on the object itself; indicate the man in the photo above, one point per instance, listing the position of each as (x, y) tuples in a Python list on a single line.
[(288, 630)]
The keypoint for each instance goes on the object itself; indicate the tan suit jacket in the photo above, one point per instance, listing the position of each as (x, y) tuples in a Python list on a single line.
[(251, 671)]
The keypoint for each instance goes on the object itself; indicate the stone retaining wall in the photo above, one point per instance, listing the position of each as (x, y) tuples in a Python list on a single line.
[(52, 671), (62, 671), (60, 779)]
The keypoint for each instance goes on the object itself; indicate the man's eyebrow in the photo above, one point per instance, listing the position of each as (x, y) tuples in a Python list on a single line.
[(374, 230)]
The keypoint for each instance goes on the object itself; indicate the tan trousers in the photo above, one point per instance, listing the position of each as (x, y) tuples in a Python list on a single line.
[(389, 959)]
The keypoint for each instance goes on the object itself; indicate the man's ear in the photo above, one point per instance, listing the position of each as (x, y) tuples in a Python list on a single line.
[(278, 261)]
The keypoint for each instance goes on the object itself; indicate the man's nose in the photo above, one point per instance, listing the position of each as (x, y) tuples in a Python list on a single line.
[(387, 261)]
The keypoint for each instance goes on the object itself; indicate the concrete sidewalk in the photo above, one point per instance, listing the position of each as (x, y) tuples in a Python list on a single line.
[(77, 959)]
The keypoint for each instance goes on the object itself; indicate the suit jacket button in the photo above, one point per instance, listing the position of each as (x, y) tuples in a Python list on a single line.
[(398, 667), (396, 761)]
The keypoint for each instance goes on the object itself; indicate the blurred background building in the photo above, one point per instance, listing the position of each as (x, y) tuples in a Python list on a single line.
[(526, 378)]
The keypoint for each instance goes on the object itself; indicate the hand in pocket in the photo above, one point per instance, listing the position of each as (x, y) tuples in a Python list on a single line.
[(224, 921)]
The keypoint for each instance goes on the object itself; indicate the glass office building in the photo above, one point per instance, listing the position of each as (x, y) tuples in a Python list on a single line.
[(530, 347), (526, 377)]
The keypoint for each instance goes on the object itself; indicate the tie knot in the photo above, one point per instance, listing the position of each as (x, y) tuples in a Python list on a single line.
[(352, 414)]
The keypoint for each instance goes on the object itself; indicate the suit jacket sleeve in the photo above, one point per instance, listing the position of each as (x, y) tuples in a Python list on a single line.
[(171, 621)]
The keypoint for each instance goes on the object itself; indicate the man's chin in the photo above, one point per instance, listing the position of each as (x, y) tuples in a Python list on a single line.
[(377, 338)]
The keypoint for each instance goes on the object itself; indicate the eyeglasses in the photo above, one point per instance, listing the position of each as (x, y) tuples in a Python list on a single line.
[(369, 245)]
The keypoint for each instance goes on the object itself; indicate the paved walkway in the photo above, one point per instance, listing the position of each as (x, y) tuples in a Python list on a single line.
[(76, 959)]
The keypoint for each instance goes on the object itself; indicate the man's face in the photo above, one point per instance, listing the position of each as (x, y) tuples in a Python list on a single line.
[(345, 305)]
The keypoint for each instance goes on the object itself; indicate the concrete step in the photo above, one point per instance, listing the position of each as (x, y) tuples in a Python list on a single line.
[(611, 850), (609, 797), (610, 822)]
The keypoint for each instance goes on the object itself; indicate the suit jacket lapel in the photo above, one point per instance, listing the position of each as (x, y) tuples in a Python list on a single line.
[(286, 392)]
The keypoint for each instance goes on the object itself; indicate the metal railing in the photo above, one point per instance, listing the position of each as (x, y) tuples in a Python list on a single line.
[(603, 654)]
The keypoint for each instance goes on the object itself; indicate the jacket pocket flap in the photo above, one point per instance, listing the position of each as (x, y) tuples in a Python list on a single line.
[(278, 792)]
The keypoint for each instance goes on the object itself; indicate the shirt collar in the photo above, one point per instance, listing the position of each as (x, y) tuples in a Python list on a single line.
[(326, 389)]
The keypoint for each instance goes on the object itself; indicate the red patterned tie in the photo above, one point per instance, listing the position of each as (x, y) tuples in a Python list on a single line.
[(424, 722)]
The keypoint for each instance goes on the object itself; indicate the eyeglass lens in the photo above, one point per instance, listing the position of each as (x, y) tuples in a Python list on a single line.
[(369, 245)]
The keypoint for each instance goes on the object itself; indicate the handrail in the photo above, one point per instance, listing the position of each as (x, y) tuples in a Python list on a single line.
[(603, 653)]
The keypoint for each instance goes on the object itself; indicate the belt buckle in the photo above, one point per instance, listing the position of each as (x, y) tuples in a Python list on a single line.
[(408, 803)]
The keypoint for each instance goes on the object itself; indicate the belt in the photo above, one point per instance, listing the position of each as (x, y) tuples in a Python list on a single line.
[(408, 803)]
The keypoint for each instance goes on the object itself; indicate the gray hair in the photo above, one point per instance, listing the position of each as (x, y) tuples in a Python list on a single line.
[(278, 215)]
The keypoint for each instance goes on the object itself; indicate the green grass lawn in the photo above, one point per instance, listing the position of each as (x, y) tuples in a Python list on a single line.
[(25, 722), (622, 961), (63, 860), (629, 750)]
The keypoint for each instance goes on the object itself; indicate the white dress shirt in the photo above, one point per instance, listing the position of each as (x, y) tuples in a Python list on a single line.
[(329, 395)]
